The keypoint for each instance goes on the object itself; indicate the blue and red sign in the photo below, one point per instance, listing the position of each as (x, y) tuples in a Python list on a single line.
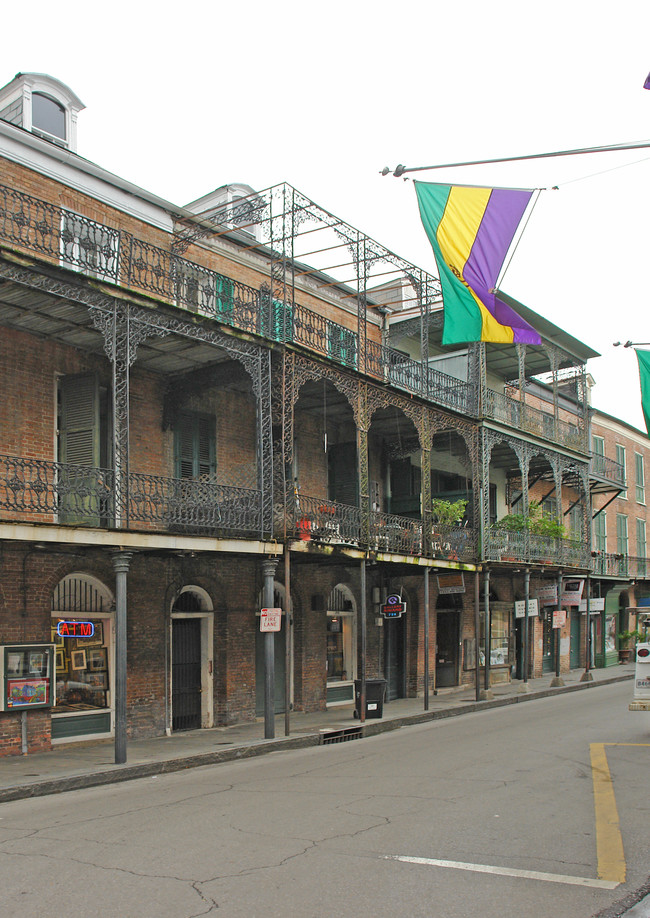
[(393, 607), (75, 629)]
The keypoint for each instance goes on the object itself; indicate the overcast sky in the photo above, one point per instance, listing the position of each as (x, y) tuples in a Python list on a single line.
[(182, 98)]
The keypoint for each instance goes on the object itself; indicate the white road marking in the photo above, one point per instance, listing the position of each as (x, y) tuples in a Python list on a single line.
[(505, 871)]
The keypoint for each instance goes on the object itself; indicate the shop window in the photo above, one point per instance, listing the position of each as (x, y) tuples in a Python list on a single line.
[(83, 647), (499, 645)]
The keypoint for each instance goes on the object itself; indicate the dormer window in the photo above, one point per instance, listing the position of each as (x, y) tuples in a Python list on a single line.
[(48, 117), (47, 107)]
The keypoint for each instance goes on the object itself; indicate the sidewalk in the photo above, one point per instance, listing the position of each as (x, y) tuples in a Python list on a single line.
[(75, 766)]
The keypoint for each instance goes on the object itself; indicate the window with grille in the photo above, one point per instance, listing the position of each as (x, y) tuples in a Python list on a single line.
[(204, 291), (342, 344)]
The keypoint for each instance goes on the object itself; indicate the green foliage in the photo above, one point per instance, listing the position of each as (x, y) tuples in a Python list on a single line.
[(447, 512), (630, 637), (536, 522)]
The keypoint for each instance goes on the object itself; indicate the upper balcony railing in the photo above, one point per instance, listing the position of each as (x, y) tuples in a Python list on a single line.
[(619, 565), (53, 492), (602, 467), (511, 411), (118, 257), (318, 520), (522, 546)]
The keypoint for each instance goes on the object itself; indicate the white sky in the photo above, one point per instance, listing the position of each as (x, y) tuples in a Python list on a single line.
[(182, 98)]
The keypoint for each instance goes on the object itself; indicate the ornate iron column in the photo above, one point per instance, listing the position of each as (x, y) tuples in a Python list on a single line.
[(121, 562), (268, 573)]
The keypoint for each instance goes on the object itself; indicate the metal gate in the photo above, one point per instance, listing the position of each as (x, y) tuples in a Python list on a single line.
[(186, 673)]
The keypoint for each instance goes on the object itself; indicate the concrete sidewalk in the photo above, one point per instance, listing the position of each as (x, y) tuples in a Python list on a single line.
[(74, 766)]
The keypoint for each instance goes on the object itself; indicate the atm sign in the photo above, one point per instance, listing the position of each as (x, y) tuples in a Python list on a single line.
[(75, 629)]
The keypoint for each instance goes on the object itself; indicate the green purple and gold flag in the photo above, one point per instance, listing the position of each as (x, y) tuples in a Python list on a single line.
[(644, 377), (470, 230)]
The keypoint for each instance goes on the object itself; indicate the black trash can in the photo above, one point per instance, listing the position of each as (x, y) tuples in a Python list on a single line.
[(375, 694)]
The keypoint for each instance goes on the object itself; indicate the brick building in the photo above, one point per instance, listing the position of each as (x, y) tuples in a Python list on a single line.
[(245, 403)]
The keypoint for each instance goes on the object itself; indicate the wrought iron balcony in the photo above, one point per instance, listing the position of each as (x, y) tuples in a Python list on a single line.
[(608, 564), (114, 256), (53, 492), (318, 520), (524, 546), (510, 411), (609, 469)]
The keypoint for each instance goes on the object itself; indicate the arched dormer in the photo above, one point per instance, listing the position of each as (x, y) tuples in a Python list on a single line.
[(38, 103)]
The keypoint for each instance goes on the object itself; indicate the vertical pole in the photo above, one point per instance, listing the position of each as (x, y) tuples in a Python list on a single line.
[(477, 628), (121, 562), (362, 673), (268, 572), (587, 675), (487, 614), (426, 639), (557, 680), (524, 687), (288, 617)]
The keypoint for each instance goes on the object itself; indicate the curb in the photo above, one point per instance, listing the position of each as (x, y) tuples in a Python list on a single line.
[(120, 773)]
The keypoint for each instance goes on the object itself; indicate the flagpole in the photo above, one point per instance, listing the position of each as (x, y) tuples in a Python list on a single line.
[(609, 148)]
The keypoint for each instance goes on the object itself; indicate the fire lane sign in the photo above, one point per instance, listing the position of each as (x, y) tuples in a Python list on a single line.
[(271, 619)]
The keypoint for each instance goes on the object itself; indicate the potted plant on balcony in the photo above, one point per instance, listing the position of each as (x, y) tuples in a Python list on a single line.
[(535, 521), (447, 514), (626, 648)]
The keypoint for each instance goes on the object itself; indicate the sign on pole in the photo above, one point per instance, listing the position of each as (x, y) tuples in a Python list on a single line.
[(559, 618), (520, 608), (271, 619)]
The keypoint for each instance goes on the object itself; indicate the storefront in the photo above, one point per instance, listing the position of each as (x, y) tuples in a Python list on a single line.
[(83, 639)]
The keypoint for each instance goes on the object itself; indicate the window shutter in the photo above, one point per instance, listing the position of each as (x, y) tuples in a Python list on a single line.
[(79, 421)]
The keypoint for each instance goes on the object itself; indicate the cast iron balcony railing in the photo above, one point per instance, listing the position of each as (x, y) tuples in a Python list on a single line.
[(318, 520), (520, 416), (82, 496), (522, 546), (93, 249), (607, 564), (609, 469)]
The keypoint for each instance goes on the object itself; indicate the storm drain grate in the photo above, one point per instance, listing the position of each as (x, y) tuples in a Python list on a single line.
[(327, 737)]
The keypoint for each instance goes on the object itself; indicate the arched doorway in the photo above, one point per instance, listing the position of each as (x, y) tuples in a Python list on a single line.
[(191, 666), (85, 669)]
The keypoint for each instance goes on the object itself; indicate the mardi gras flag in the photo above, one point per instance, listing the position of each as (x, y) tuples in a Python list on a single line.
[(644, 375), (470, 230), (646, 85)]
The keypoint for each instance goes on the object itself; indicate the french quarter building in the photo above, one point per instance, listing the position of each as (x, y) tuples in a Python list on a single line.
[(244, 403)]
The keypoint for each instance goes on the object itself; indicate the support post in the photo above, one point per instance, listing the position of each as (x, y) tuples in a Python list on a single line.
[(487, 692), (268, 573), (587, 676), (477, 628), (288, 616), (362, 667), (524, 687), (426, 639), (557, 680), (121, 562)]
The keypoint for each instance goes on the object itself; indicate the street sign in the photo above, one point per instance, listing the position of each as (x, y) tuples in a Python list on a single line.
[(559, 618), (520, 608), (271, 620)]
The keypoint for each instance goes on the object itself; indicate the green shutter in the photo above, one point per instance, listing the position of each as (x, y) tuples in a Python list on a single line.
[(195, 447), (78, 446)]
